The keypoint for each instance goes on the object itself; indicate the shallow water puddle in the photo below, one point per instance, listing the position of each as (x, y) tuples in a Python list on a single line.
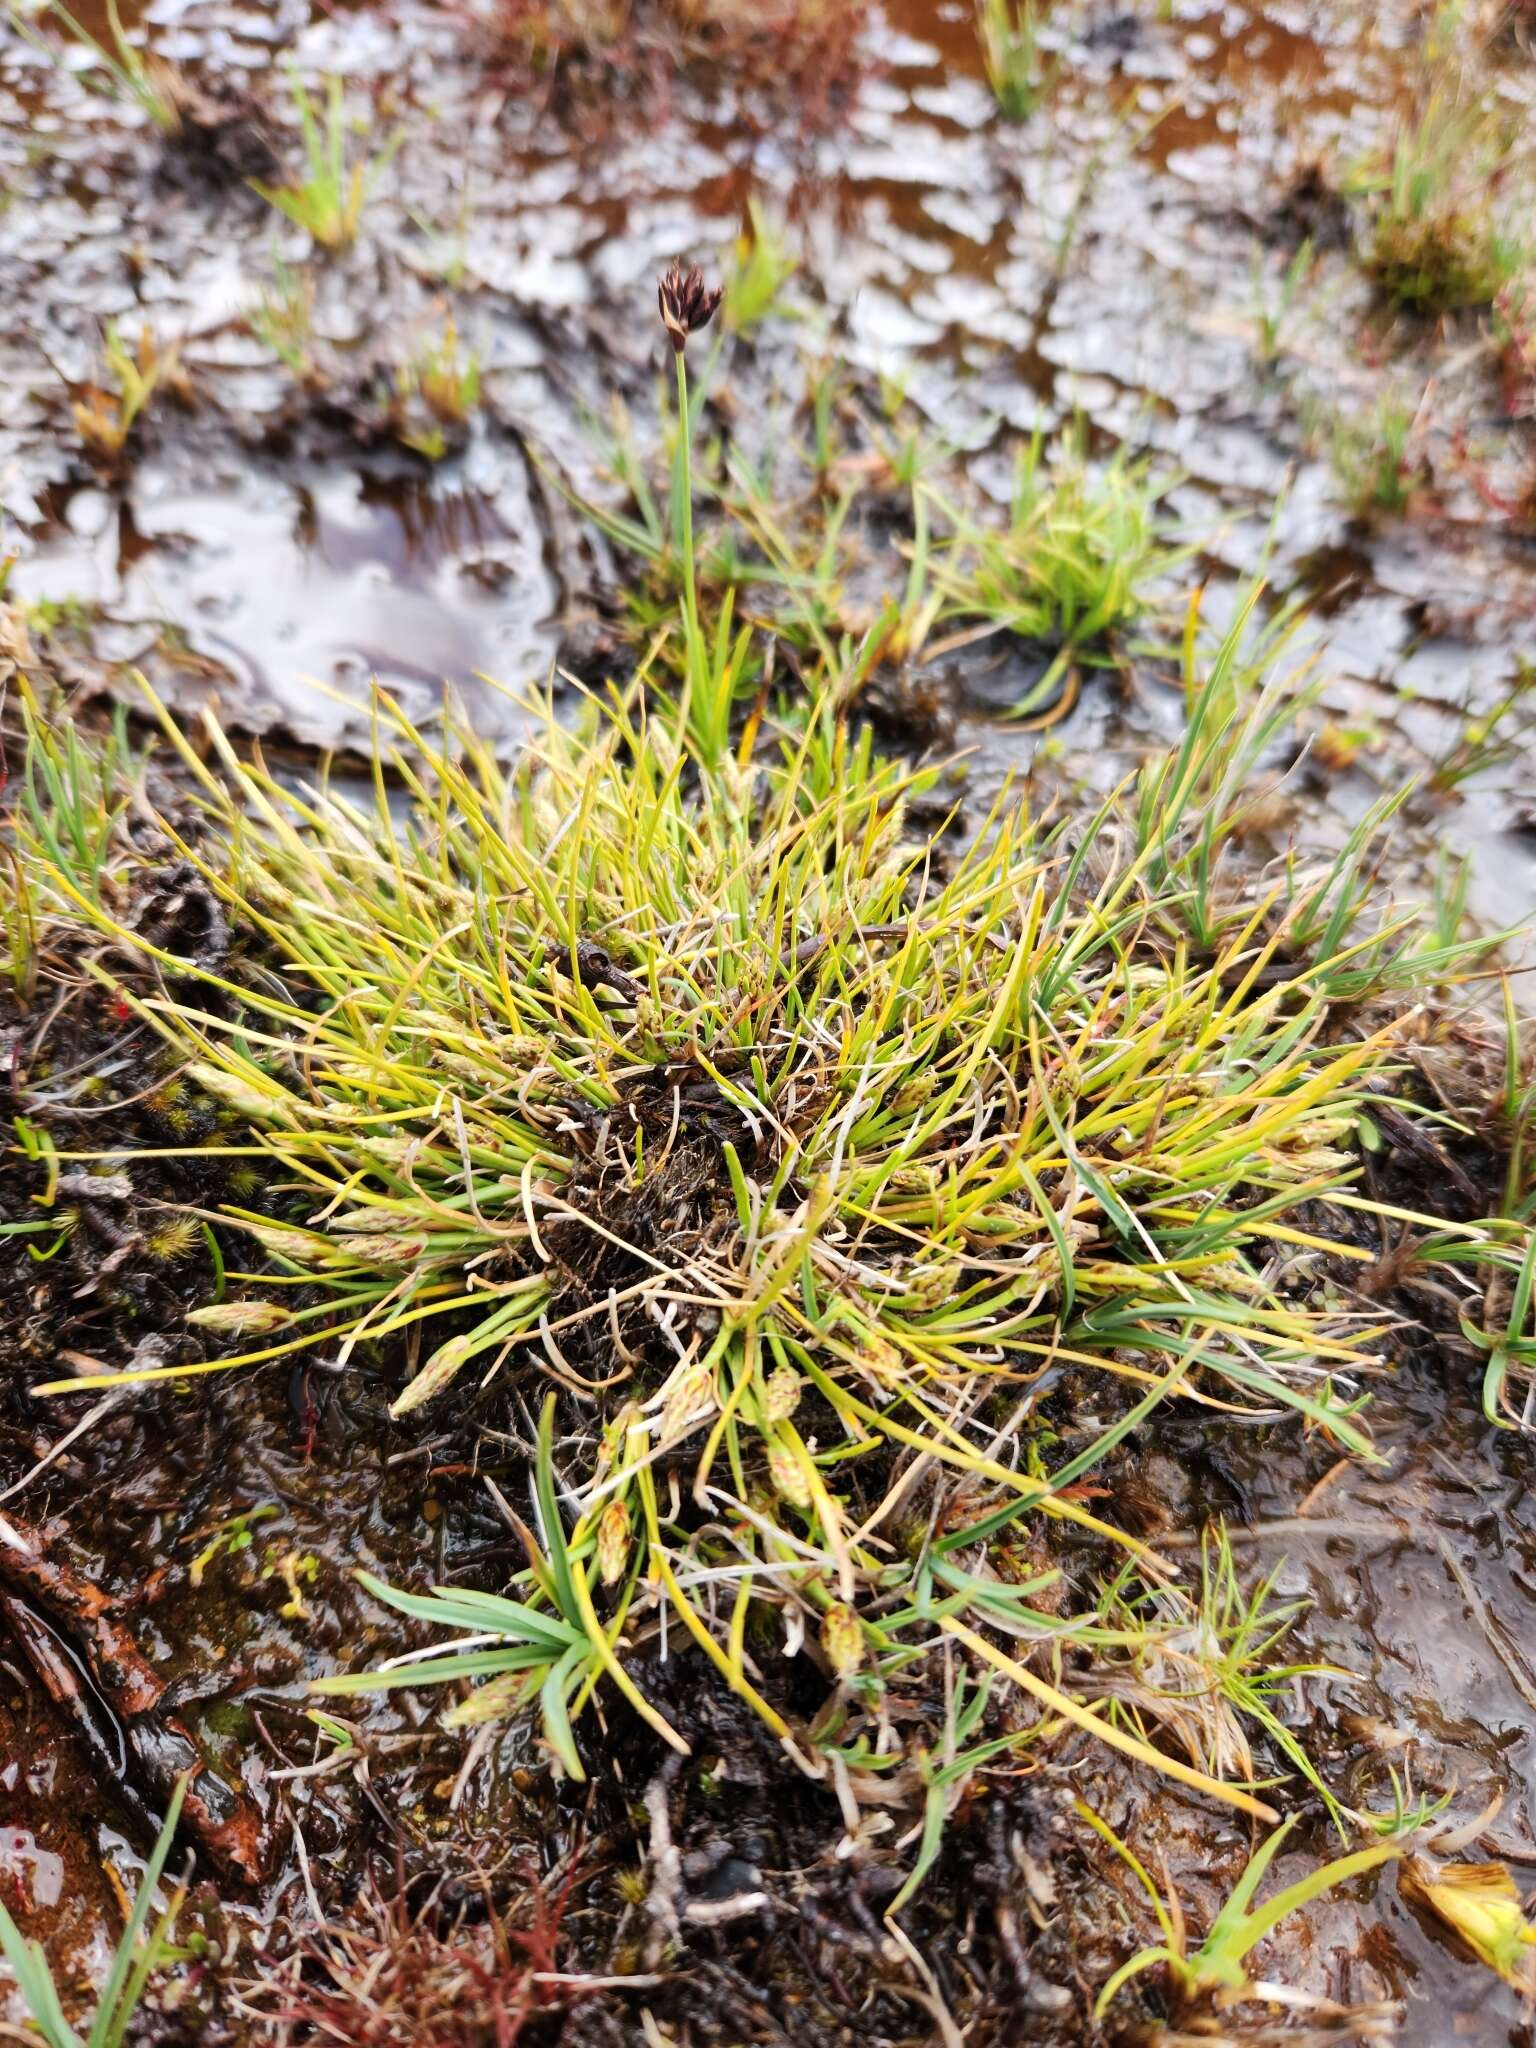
[(294, 578)]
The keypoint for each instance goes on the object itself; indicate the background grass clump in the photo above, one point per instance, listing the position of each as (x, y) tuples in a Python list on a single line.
[(806, 53), (844, 546), (1442, 235)]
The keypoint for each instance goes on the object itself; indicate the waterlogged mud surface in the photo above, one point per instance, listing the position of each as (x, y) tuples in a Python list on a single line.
[(1112, 255), (1107, 256)]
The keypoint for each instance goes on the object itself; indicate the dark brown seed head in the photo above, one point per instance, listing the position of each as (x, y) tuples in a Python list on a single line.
[(687, 303)]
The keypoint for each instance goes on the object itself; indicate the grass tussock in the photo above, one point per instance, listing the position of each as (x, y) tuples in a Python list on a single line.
[(768, 1011), (1442, 235), (695, 1097), (826, 1202)]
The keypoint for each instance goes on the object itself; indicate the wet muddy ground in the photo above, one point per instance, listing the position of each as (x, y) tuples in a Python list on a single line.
[(1108, 256)]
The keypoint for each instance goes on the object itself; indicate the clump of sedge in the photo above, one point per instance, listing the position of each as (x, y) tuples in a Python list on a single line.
[(106, 409), (435, 394), (1436, 240), (328, 200)]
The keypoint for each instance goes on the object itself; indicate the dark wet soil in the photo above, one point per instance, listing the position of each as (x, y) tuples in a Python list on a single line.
[(1107, 257)]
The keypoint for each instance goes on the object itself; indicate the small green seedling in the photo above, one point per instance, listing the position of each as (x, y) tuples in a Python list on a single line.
[(284, 321), (1486, 740), (230, 1538), (1378, 455), (436, 393), (1272, 309), (1512, 1347), (761, 267), (328, 201), (344, 1754), (105, 412), (1219, 1964), (1020, 77)]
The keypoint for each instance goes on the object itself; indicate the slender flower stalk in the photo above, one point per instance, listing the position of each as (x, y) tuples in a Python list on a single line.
[(685, 496), (687, 306)]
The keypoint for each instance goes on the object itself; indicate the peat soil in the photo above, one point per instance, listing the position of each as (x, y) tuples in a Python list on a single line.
[(184, 1568)]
